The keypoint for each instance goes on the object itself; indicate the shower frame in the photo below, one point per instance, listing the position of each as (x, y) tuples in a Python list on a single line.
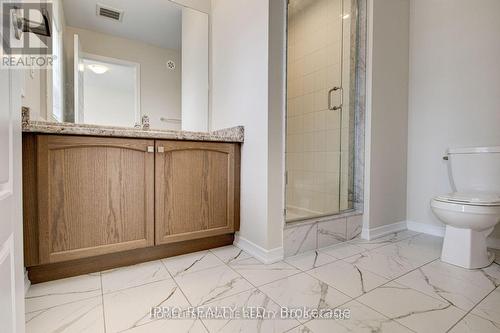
[(356, 110)]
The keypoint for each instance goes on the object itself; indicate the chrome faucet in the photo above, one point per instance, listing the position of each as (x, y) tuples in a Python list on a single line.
[(145, 122)]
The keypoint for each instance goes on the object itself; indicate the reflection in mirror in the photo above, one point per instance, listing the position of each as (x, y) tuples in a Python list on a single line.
[(120, 60), (110, 92)]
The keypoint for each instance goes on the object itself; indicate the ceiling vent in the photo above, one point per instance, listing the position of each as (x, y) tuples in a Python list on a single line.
[(110, 13)]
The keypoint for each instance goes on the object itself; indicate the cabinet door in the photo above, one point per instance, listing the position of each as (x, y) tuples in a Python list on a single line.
[(194, 190), (96, 196)]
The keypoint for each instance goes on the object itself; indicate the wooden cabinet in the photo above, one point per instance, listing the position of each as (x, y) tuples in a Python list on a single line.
[(101, 199), (96, 196), (194, 190)]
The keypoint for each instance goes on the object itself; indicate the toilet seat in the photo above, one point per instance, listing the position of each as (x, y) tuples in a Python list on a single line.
[(460, 207), (471, 198)]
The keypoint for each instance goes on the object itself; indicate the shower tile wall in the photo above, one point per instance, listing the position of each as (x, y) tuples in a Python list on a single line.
[(314, 133)]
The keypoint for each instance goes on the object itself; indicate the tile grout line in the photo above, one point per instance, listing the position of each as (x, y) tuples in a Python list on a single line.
[(231, 261), (223, 264), (352, 242), (418, 291), (469, 312), (384, 243), (182, 292), (62, 304), (234, 271), (389, 280), (102, 300), (144, 284), (385, 255), (200, 270), (66, 303), (299, 271), (395, 278), (173, 279), (136, 286), (356, 300), (319, 250), (337, 259), (261, 291), (410, 271), (255, 287), (219, 299), (366, 250), (316, 251)]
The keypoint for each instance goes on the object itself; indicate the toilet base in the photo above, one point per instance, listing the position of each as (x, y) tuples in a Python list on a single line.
[(466, 248)]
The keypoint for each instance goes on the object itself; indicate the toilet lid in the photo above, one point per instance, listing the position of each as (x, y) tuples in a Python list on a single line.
[(471, 198)]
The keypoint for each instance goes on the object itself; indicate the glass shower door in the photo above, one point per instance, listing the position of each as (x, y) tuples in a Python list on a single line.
[(317, 148)]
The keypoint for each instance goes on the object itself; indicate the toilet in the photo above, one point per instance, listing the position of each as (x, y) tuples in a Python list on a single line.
[(470, 212)]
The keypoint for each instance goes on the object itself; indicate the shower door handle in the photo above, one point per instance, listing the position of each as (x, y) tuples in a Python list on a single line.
[(335, 107)]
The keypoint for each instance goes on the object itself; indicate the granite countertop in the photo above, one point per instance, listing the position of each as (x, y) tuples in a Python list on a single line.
[(233, 134)]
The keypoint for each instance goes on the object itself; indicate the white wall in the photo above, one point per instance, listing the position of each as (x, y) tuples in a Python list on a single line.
[(34, 93), (386, 113), (194, 70), (241, 60), (276, 121), (160, 87), (110, 99), (239, 97), (454, 91)]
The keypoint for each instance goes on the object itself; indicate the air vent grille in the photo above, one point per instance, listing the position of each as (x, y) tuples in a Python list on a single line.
[(110, 13)]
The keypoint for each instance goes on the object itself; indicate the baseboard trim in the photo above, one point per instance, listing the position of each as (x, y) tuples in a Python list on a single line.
[(264, 256), (439, 231), (429, 229), (373, 233), (493, 243), (64, 269)]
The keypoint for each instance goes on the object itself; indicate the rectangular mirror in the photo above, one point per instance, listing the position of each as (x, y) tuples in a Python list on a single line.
[(117, 61)]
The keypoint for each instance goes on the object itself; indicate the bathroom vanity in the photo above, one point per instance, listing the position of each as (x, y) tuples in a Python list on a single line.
[(98, 197)]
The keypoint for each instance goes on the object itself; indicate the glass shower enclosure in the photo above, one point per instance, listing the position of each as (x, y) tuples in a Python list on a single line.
[(321, 47)]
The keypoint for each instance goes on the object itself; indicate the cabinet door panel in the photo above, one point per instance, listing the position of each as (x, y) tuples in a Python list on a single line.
[(194, 190), (96, 196)]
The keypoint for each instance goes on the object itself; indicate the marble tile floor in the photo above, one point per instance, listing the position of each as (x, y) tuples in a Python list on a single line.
[(393, 284)]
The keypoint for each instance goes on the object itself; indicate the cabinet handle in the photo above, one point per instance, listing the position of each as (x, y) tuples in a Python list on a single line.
[(337, 107), (161, 149), (151, 149)]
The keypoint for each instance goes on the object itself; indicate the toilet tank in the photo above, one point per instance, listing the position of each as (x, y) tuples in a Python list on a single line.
[(475, 169)]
